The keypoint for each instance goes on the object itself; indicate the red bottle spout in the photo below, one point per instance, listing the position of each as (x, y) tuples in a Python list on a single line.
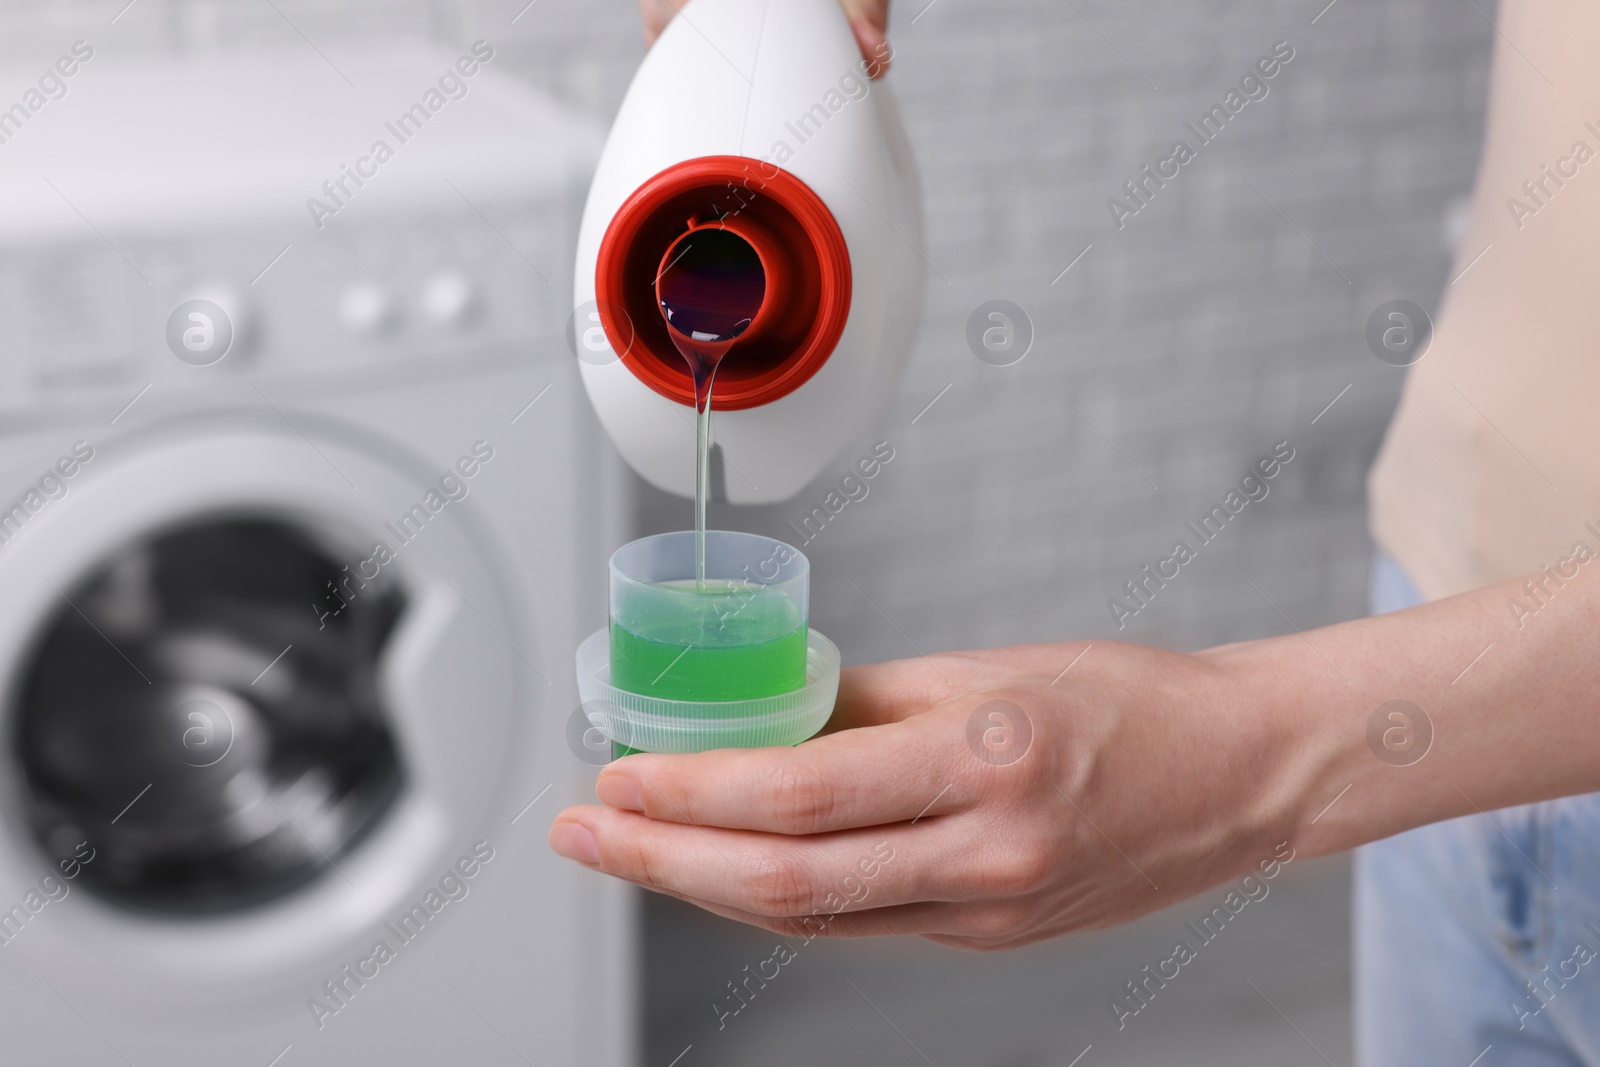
[(804, 264)]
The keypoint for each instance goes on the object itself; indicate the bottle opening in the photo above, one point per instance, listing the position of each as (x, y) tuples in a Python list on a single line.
[(712, 285)]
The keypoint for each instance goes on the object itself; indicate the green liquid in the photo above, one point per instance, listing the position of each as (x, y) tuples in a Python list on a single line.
[(722, 642)]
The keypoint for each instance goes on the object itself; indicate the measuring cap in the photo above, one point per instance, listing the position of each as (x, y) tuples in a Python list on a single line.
[(652, 724)]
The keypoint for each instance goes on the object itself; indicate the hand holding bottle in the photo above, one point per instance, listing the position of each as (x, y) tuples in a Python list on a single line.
[(868, 18)]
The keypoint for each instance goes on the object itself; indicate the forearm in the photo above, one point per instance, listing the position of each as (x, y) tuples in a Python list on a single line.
[(1510, 700)]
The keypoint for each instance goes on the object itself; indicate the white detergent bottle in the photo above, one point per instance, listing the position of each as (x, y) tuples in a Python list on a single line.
[(759, 117)]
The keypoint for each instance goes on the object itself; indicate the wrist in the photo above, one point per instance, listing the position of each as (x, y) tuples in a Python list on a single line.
[(1297, 744)]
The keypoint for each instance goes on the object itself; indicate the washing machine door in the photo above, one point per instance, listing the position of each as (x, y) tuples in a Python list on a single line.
[(259, 684)]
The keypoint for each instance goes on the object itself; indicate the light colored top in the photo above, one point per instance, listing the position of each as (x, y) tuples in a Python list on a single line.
[(1491, 467)]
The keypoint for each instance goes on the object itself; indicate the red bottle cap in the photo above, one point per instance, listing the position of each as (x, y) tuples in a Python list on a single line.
[(802, 252)]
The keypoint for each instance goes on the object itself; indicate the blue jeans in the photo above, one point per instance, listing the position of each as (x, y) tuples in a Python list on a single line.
[(1481, 931)]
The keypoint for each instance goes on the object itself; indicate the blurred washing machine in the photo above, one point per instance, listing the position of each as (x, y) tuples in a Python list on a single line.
[(301, 514)]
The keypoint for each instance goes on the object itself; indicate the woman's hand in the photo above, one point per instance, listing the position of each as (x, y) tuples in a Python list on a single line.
[(990, 799), (983, 800), (868, 18)]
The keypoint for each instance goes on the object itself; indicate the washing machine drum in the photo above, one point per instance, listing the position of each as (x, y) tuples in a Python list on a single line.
[(214, 785)]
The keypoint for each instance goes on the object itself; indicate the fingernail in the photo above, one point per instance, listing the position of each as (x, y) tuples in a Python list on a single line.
[(618, 791), (574, 841)]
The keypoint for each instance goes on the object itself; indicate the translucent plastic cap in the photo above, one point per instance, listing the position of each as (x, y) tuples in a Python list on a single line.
[(651, 724), (648, 575)]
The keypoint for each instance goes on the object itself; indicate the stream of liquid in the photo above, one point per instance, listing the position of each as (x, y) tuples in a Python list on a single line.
[(710, 291)]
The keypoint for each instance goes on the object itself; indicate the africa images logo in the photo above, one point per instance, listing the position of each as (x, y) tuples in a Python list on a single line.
[(51, 85), (199, 332), (1142, 189)]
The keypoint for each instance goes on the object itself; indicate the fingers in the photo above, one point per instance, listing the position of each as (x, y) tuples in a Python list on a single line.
[(875, 12), (973, 928), (868, 20), (895, 921), (867, 777), (869, 39), (882, 693), (760, 874), (656, 14)]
